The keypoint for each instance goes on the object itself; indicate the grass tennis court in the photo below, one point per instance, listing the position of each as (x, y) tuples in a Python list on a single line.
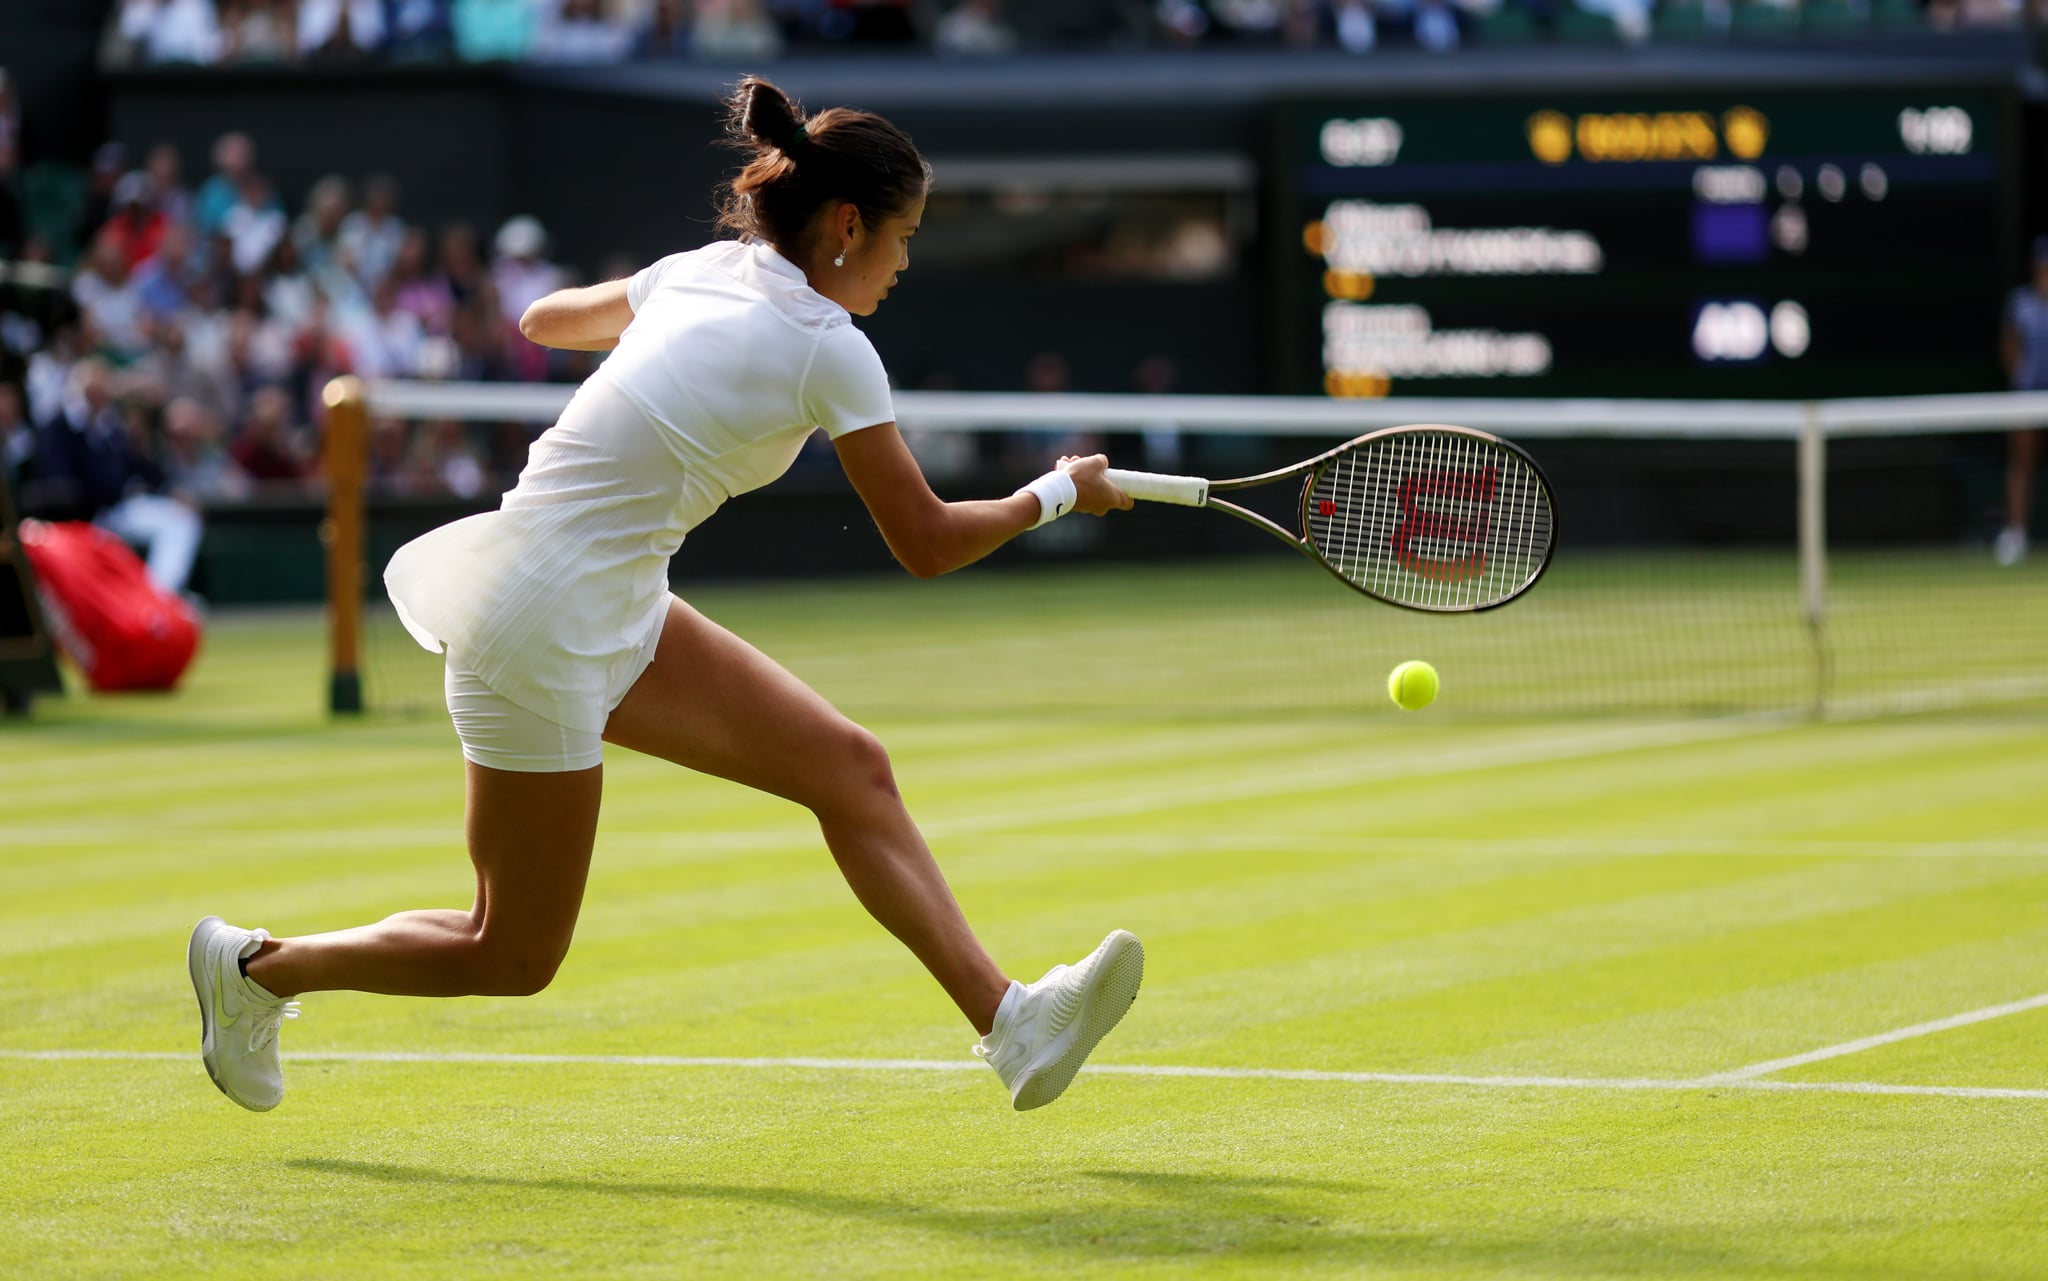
[(1475, 996)]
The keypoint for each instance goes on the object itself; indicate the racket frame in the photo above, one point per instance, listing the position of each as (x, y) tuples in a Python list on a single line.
[(1311, 468)]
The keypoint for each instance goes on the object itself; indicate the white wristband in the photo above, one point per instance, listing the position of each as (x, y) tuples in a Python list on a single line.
[(1055, 493)]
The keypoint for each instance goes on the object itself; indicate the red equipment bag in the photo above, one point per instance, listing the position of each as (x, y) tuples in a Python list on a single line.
[(122, 630)]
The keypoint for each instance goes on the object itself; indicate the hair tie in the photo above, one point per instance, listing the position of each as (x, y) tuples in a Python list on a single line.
[(801, 135)]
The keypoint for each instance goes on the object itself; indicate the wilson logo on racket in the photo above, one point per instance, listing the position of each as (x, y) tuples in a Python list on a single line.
[(1459, 511)]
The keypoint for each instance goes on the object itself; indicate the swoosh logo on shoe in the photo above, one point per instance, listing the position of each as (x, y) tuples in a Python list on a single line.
[(220, 1016)]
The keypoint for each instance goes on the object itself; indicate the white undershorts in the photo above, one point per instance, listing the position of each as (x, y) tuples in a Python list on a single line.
[(500, 734)]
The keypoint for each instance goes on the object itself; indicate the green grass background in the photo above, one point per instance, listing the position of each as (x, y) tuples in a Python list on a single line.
[(1591, 894)]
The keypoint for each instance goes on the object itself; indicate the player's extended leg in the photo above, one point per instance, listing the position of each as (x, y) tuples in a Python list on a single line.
[(713, 703), (530, 837)]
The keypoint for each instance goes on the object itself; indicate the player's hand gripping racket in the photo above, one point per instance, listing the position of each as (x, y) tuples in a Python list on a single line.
[(1437, 518)]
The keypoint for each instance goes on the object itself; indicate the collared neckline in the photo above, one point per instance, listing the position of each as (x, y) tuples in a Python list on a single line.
[(772, 259)]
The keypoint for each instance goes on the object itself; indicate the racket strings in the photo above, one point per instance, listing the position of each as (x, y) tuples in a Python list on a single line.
[(1436, 520)]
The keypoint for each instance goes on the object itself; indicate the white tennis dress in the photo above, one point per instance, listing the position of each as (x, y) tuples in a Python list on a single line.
[(557, 598)]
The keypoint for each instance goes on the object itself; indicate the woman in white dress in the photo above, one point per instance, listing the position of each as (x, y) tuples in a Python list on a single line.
[(560, 631)]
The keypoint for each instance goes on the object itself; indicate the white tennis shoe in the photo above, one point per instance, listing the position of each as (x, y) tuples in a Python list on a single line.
[(2010, 547), (238, 1020), (1044, 1031)]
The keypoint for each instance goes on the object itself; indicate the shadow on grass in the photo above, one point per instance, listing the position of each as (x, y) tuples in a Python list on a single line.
[(1145, 1213), (1136, 1212)]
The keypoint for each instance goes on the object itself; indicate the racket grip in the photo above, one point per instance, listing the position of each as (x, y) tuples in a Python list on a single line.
[(1156, 487)]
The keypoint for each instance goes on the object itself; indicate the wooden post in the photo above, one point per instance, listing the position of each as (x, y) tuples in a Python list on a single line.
[(348, 454)]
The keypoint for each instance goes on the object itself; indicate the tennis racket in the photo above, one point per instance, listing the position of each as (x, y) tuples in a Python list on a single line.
[(1444, 519)]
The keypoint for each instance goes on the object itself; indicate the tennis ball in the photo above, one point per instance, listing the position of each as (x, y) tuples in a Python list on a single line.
[(1412, 685)]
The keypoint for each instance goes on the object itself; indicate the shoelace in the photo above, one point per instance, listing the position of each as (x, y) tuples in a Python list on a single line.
[(266, 1028)]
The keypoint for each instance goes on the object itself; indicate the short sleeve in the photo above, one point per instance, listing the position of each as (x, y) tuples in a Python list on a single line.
[(645, 280), (847, 388)]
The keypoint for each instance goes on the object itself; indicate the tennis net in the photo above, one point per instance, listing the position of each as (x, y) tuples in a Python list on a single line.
[(1715, 557)]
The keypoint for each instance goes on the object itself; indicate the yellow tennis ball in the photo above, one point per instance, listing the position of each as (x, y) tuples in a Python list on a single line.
[(1412, 685)]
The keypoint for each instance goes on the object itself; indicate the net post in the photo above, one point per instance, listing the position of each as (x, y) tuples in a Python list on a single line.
[(347, 461), (1813, 537)]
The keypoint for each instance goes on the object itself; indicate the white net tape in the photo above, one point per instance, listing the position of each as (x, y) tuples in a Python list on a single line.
[(1313, 416)]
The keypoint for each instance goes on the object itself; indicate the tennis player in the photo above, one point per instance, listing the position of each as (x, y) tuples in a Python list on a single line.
[(560, 631)]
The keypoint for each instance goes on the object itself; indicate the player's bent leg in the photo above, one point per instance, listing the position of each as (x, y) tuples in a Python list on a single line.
[(713, 703), (530, 839)]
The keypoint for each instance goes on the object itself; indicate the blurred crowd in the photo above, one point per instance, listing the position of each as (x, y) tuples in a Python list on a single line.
[(183, 362), (148, 32)]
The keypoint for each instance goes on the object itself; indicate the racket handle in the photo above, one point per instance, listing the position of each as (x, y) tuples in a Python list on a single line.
[(1156, 487)]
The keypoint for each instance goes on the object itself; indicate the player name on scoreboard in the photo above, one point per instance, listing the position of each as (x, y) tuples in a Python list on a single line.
[(1784, 244)]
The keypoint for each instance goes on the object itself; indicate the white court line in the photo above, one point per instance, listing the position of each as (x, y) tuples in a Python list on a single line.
[(1710, 1084), (1882, 1038)]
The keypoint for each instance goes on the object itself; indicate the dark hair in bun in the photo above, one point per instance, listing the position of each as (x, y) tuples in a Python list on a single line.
[(797, 164)]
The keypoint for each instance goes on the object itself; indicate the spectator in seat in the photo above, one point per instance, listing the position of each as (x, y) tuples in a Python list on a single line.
[(386, 340), (167, 172), (288, 290), (421, 291), (88, 466), (136, 224), (259, 31), (255, 226), (164, 279), (108, 296), (371, 236), (316, 235), (197, 467), (667, 34), (340, 29), (171, 30), (267, 449), (49, 369), (578, 32), (234, 158)]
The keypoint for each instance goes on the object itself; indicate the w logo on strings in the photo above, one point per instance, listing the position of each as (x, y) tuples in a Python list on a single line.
[(1445, 525)]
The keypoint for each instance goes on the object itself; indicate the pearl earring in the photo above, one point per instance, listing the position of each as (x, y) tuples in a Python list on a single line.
[(840, 261)]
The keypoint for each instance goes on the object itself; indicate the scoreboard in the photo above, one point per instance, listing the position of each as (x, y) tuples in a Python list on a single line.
[(1720, 243)]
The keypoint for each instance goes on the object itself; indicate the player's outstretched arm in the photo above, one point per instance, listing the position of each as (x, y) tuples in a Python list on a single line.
[(931, 536), (587, 319)]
